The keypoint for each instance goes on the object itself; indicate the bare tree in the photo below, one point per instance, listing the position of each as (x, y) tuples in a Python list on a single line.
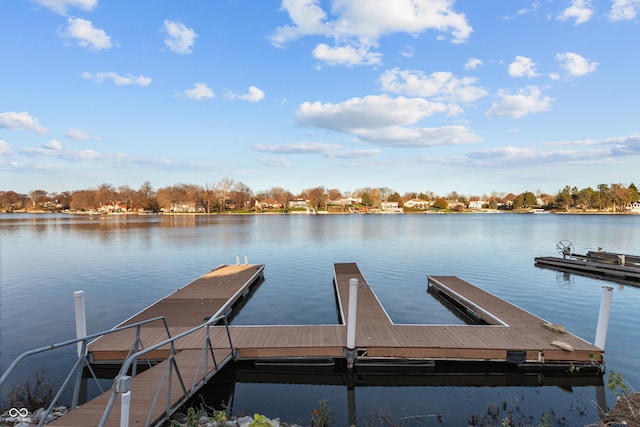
[(316, 196), (240, 194), (208, 196), (106, 195), (222, 190), (38, 198), (84, 200), (281, 195), (127, 196)]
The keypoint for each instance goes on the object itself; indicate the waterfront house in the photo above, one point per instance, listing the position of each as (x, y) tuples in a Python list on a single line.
[(297, 204), (268, 203), (417, 204), (634, 207), (477, 204)]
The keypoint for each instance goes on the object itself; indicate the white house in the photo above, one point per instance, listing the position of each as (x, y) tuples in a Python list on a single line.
[(634, 207), (297, 203), (417, 203), (476, 204)]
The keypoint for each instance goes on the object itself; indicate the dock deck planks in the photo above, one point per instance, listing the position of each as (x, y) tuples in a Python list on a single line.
[(509, 329), (602, 268), (369, 309)]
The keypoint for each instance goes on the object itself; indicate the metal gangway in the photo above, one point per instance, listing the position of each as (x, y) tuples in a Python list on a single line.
[(172, 382)]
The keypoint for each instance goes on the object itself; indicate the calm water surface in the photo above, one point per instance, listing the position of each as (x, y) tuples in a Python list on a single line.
[(126, 263)]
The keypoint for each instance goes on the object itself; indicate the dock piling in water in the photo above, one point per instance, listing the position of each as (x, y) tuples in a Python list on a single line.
[(351, 321), (81, 321), (603, 316)]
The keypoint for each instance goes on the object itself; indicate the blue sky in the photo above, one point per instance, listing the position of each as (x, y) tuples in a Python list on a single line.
[(414, 95)]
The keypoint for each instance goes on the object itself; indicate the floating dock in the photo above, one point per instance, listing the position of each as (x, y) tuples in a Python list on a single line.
[(505, 335), (606, 265)]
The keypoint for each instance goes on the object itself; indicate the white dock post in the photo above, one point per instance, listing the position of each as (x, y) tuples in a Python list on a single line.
[(246, 259), (603, 317), (123, 387), (238, 259), (351, 321), (81, 321)]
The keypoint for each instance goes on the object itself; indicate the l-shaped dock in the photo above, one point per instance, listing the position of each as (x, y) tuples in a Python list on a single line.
[(505, 334)]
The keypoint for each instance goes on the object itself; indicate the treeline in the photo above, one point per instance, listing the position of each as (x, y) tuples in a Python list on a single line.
[(230, 195), (614, 197)]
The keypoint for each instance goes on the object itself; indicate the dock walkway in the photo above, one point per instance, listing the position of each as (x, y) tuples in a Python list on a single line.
[(508, 335), (599, 265)]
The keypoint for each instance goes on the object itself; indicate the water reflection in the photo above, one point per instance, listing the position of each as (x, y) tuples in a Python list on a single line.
[(443, 395)]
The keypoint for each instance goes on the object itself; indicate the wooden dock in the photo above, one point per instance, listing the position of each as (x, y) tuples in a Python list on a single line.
[(507, 335), (607, 265)]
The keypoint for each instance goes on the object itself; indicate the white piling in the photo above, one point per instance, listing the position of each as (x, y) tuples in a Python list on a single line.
[(123, 387), (238, 259), (246, 259), (125, 402), (603, 317), (81, 321), (351, 316)]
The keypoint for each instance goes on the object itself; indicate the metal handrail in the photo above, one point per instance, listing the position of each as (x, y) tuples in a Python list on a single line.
[(82, 361), (122, 382)]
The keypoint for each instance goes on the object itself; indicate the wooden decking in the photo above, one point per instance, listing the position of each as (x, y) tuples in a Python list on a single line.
[(599, 264), (209, 296), (370, 311), (508, 335)]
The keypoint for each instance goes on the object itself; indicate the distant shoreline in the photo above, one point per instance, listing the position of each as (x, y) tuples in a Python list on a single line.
[(527, 212)]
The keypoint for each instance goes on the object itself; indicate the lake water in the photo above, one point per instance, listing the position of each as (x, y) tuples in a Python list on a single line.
[(125, 263)]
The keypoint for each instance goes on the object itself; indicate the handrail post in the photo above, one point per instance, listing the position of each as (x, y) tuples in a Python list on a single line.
[(351, 322), (123, 387)]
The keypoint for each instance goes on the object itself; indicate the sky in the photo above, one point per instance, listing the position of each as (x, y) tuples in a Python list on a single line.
[(468, 96)]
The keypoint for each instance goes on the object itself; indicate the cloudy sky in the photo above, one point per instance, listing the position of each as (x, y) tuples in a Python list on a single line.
[(415, 95)]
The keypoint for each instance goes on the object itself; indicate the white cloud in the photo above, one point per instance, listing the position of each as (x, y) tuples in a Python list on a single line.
[(580, 10), (117, 79), (336, 151), (624, 10), (586, 150), (79, 135), (253, 95), (298, 148), (346, 55), (442, 86), (62, 6), (199, 91), (52, 145), (383, 120), (180, 38), (525, 101), (86, 34), (357, 25), (407, 51), (15, 121), (397, 136), (522, 67), (368, 112), (276, 162), (5, 148), (574, 64), (473, 63)]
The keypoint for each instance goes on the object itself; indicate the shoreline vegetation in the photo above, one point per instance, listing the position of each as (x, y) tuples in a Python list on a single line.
[(228, 196), (324, 212)]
